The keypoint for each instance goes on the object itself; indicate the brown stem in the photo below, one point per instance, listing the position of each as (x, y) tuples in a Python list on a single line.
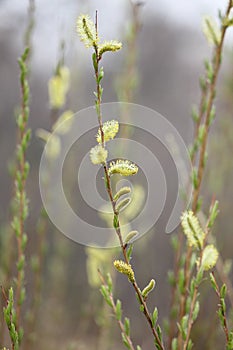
[(110, 194), (177, 257), (212, 88), (190, 318), (201, 163), (21, 205)]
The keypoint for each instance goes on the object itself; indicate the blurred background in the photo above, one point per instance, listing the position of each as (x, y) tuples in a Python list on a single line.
[(159, 67)]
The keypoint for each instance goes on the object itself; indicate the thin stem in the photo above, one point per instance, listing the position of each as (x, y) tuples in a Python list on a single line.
[(110, 193), (30, 25), (225, 279), (212, 89), (222, 310), (20, 184), (216, 61), (190, 317), (174, 290), (195, 292)]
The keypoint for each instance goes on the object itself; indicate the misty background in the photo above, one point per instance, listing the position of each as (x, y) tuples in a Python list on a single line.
[(170, 53)]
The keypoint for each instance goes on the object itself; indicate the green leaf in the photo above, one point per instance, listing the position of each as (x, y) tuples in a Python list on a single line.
[(154, 316), (201, 133), (125, 341), (181, 281), (94, 61), (223, 305), (159, 332), (101, 75), (127, 326), (141, 308), (105, 294), (196, 311), (184, 326), (190, 344), (129, 252), (174, 344), (115, 221), (118, 310), (223, 291), (109, 282), (194, 178)]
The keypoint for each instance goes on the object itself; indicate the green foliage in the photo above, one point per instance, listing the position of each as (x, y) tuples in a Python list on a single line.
[(10, 319)]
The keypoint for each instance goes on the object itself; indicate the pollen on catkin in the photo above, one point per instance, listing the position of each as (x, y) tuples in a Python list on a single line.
[(110, 129), (209, 257), (192, 229), (112, 45), (125, 268), (98, 154), (86, 31), (123, 167)]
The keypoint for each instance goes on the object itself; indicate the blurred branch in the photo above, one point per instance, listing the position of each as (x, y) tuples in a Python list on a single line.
[(212, 72), (106, 290), (30, 25), (18, 222)]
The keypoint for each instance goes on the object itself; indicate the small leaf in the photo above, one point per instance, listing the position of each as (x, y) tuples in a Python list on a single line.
[(223, 291), (211, 30), (109, 282), (194, 178), (129, 252), (196, 311), (118, 310), (174, 344), (190, 344), (213, 213), (141, 308), (95, 65), (125, 340), (115, 221), (101, 75), (154, 316), (127, 326), (159, 331), (105, 294)]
